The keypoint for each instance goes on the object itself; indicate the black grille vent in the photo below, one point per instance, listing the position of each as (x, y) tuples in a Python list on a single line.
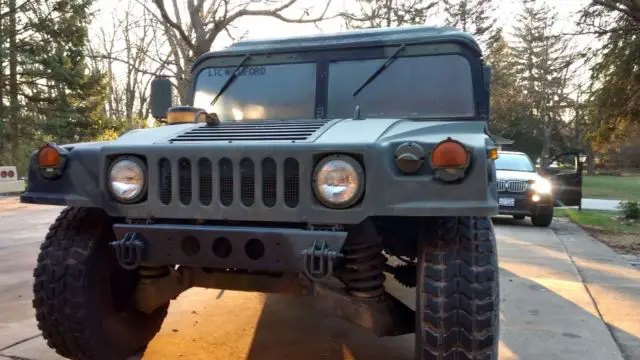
[(226, 181), (205, 170), (184, 183), (269, 182), (247, 182), (164, 173), (288, 130), (291, 182)]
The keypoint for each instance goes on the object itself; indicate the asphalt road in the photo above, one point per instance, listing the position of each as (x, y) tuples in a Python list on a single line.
[(564, 296)]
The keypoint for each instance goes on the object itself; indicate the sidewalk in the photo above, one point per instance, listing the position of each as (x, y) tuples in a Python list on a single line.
[(600, 204)]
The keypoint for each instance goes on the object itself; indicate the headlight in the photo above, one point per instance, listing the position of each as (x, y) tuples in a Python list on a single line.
[(542, 186), (338, 181), (127, 179)]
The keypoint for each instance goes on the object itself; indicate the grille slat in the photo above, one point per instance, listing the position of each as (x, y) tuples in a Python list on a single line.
[(164, 174), (184, 181), (247, 182), (225, 169), (205, 172), (253, 131), (291, 182), (269, 182)]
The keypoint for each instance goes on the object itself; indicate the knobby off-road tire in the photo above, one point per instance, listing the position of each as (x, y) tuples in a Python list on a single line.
[(542, 217), (457, 309), (83, 298)]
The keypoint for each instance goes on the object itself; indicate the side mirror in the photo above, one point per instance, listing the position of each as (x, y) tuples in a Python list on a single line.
[(161, 97)]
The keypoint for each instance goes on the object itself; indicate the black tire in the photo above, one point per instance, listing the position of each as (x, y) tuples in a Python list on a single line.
[(458, 299), (83, 298), (542, 217), (518, 217)]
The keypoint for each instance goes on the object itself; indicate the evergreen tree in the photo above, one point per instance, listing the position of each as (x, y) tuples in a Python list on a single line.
[(542, 61), (390, 13), (472, 16)]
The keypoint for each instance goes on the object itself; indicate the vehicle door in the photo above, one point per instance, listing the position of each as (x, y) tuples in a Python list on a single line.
[(565, 173)]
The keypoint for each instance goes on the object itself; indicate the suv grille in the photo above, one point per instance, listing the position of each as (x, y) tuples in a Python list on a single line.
[(246, 176), (271, 130), (516, 186)]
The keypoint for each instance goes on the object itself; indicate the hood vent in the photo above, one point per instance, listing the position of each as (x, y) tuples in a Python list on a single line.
[(269, 130)]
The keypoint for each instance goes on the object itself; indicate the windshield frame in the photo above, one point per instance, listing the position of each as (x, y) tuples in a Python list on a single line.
[(521, 155), (323, 57)]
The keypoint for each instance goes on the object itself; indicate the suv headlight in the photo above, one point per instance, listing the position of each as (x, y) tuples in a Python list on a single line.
[(338, 181), (127, 179), (542, 186)]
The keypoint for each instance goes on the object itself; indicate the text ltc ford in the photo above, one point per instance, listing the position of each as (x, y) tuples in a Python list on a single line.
[(315, 165)]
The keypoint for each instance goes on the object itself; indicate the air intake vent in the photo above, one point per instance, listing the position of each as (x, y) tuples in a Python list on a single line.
[(291, 183), (164, 175), (287, 130), (226, 181), (269, 182), (185, 181), (205, 171), (247, 182)]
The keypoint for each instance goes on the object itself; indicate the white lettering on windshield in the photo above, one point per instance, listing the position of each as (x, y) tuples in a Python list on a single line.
[(250, 71)]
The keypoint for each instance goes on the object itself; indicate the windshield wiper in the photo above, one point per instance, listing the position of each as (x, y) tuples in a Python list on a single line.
[(230, 80), (382, 67)]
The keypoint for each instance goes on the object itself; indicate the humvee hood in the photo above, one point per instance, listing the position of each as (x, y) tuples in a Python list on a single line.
[(339, 131)]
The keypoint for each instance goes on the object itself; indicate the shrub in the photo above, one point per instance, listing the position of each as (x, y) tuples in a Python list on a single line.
[(630, 209)]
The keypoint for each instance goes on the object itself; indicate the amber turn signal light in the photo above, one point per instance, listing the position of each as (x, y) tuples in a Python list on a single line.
[(48, 157), (493, 154), (450, 154), (185, 115)]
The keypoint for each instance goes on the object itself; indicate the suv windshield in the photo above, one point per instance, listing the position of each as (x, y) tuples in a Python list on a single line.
[(514, 162), (422, 87)]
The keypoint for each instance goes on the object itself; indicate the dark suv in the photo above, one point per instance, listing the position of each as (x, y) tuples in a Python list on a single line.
[(523, 191)]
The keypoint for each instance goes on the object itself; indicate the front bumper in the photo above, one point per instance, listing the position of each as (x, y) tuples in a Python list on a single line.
[(523, 204), (247, 248)]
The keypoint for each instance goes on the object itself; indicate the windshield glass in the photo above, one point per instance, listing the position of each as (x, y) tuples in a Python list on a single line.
[(514, 162), (411, 87), (422, 87), (285, 91)]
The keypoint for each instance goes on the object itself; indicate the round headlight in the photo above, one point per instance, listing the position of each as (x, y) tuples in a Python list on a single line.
[(338, 181), (542, 186), (127, 179)]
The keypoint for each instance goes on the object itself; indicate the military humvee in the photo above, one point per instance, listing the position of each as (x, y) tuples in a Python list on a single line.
[(326, 166)]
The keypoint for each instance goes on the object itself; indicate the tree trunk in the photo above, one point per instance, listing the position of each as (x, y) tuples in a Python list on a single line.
[(14, 105)]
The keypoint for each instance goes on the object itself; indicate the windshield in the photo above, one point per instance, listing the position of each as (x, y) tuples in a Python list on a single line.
[(422, 87), (514, 162), (285, 91)]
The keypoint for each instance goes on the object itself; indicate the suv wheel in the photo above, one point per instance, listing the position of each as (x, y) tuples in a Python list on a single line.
[(457, 309), (83, 299), (542, 217)]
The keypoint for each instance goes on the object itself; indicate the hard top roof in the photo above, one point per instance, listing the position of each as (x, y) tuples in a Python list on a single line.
[(354, 38)]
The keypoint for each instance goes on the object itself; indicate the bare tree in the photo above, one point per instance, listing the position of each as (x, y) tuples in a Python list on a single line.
[(191, 31), (130, 53)]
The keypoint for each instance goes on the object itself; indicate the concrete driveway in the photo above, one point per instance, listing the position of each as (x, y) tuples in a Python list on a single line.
[(564, 296)]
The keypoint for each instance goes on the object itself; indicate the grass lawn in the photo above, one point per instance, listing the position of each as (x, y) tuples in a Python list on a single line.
[(612, 187), (621, 236)]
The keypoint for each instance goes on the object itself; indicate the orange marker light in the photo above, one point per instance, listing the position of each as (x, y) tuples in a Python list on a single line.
[(48, 157), (449, 154)]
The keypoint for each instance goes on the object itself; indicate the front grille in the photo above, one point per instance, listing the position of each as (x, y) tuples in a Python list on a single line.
[(230, 182), (269, 130), (515, 186)]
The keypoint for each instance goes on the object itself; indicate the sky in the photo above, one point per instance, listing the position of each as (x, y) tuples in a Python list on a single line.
[(264, 27)]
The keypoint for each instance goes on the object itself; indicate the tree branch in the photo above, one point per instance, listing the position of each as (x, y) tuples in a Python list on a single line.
[(173, 24)]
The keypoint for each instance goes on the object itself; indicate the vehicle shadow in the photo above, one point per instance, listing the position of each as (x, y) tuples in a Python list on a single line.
[(290, 328)]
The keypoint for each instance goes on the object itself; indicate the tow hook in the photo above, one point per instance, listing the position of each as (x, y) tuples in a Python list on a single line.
[(319, 260), (129, 250)]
